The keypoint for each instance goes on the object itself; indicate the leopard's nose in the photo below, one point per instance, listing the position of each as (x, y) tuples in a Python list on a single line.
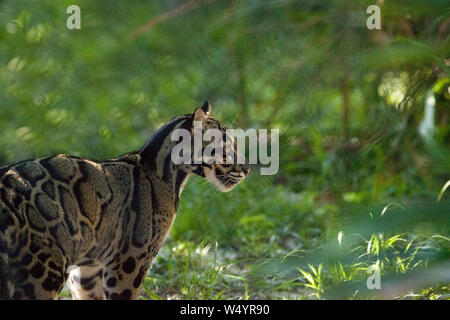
[(246, 169)]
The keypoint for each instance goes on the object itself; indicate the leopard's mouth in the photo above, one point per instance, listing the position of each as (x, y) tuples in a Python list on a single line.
[(226, 181), (229, 181)]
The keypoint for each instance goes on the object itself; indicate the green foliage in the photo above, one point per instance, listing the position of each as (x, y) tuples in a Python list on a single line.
[(348, 102)]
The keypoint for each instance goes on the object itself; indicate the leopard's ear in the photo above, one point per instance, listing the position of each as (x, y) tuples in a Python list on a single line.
[(202, 112), (198, 115), (206, 107)]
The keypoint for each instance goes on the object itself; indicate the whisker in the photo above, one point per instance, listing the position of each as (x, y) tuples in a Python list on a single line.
[(199, 180), (209, 189), (234, 119)]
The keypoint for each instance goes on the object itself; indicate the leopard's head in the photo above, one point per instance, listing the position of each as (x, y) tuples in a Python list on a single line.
[(218, 166)]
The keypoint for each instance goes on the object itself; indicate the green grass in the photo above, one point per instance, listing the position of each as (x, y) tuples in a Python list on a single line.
[(246, 245)]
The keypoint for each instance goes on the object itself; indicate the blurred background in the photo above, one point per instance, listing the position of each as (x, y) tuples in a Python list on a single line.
[(363, 118)]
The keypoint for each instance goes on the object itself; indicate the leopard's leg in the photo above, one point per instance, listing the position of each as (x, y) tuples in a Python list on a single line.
[(37, 273), (123, 279), (86, 282)]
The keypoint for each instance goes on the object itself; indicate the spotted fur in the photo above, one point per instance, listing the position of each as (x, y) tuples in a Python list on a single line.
[(97, 224)]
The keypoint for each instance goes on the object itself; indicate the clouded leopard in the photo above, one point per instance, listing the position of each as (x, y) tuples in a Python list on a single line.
[(96, 224)]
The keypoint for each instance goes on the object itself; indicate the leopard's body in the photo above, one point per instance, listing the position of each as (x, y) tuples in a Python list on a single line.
[(97, 224)]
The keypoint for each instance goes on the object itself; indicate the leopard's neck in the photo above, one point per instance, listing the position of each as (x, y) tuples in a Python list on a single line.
[(156, 158)]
